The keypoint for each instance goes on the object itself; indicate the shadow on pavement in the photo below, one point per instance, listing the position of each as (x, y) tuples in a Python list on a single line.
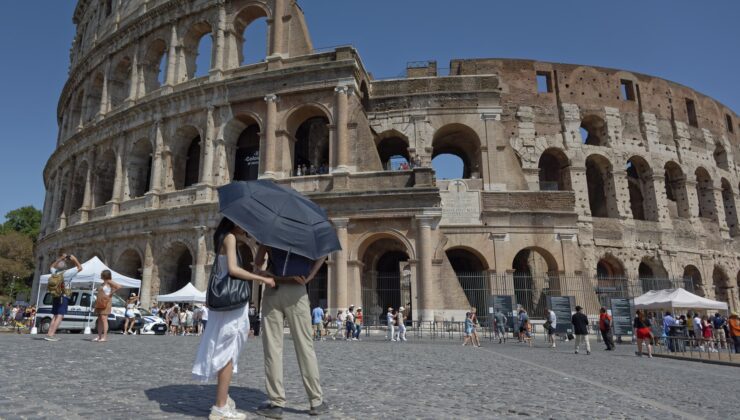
[(196, 400)]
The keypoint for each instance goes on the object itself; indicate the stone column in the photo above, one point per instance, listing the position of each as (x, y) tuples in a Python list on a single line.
[(661, 200), (146, 274), (56, 200), (271, 146), (201, 259), (342, 133), (206, 175), (117, 182), (133, 89), (340, 266), (87, 197), (104, 102), (278, 29), (621, 194), (424, 256), (156, 179), (219, 44), (172, 57), (692, 198), (719, 208), (579, 183)]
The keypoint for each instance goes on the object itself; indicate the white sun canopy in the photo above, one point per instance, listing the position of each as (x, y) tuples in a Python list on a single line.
[(187, 294), (90, 273), (676, 298)]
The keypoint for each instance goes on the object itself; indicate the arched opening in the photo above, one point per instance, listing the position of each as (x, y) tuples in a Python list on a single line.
[(311, 149), (184, 163), (192, 163), (129, 264), (448, 166), (139, 169), (78, 188), (470, 270), (611, 280), (692, 275), (461, 142), (642, 193), (247, 155), (705, 194), (535, 277), (393, 152), (76, 113), (554, 174), (175, 268), (601, 191), (198, 50), (721, 283), (386, 278), (720, 157), (154, 65), (105, 176), (251, 30), (652, 275), (119, 83), (675, 190), (94, 96), (64, 197), (593, 131), (728, 202)]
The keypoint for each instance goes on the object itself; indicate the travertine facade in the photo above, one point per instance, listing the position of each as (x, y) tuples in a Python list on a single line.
[(597, 173)]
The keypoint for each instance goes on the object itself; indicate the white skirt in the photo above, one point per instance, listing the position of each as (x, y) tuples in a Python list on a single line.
[(222, 341)]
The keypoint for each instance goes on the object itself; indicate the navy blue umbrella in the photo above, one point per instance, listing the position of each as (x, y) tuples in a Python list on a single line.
[(279, 217)]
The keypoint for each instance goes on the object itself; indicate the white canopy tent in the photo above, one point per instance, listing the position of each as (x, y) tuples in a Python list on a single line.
[(187, 294), (676, 298), (90, 273)]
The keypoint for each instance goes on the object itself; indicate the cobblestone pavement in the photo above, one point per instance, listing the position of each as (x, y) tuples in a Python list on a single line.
[(149, 377)]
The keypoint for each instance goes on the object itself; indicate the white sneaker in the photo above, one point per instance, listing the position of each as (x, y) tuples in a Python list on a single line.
[(226, 413)]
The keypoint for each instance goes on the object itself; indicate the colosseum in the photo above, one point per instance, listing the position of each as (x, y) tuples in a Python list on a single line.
[(573, 180)]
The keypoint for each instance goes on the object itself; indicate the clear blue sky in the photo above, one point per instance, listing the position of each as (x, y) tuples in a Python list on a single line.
[(690, 42)]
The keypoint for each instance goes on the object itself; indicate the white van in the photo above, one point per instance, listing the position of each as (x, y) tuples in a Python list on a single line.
[(79, 313)]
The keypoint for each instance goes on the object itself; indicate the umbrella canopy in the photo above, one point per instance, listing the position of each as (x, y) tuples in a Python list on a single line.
[(187, 294), (676, 298), (90, 273), (279, 217)]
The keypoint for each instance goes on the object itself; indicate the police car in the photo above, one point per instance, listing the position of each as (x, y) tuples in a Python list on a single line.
[(80, 312)]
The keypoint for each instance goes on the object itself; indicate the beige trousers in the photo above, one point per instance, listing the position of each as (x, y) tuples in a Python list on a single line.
[(288, 302), (582, 339)]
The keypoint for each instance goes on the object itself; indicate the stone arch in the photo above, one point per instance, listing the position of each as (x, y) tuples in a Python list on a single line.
[(185, 158), (77, 113), (105, 176), (310, 127), (78, 187), (242, 135), (64, 194), (721, 283), (94, 96), (392, 147), (693, 273), (675, 190), (119, 82), (554, 170), (602, 197), (130, 263), (653, 275), (139, 169), (610, 266), (471, 268), (611, 279), (384, 284), (250, 15), (728, 203), (461, 141), (535, 270), (720, 157), (594, 131), (193, 46), (153, 65), (174, 268), (705, 194), (641, 190)]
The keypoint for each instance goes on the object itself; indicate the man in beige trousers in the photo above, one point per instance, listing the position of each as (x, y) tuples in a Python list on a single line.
[(288, 301)]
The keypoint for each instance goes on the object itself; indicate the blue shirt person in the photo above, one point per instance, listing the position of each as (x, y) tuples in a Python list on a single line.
[(318, 315)]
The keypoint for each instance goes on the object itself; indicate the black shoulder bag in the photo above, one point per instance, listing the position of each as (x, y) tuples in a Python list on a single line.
[(224, 292)]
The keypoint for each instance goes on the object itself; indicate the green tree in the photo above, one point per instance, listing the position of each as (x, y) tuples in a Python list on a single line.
[(16, 262), (25, 220)]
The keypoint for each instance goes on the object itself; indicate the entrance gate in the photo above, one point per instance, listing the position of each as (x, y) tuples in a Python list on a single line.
[(381, 290)]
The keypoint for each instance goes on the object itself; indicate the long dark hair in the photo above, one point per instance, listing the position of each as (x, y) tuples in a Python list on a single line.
[(224, 228)]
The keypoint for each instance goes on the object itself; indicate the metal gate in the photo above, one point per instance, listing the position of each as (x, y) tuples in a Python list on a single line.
[(316, 290), (476, 288), (382, 290)]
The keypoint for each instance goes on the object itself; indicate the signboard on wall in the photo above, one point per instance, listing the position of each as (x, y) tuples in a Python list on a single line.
[(563, 306), (506, 304), (621, 316)]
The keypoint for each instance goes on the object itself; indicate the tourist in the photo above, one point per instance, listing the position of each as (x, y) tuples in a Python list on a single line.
[(203, 318), (580, 329), (103, 304), (222, 342), (467, 337), (154, 310), (349, 323), (390, 322), (188, 320), (642, 331), (697, 328), (523, 320), (499, 319), (551, 322), (605, 327), (719, 323), (289, 301), (175, 320), (706, 333), (358, 324), (20, 314), (59, 303), (339, 324), (130, 321), (668, 322), (474, 336), (327, 322), (734, 324), (30, 316), (401, 325), (317, 316)]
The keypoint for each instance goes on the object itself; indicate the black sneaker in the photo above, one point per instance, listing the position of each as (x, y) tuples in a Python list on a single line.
[(319, 409), (270, 411)]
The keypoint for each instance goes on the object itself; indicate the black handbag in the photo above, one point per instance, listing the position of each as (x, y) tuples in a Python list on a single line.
[(224, 292)]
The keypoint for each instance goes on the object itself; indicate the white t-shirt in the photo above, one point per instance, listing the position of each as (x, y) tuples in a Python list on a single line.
[(204, 313), (552, 318), (697, 324), (350, 317)]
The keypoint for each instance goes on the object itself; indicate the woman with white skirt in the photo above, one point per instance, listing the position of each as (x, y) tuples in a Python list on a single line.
[(223, 340)]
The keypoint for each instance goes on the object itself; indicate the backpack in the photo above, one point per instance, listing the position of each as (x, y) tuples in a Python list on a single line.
[(56, 285), (718, 321)]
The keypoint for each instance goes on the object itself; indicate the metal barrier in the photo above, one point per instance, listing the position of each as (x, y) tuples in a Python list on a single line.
[(703, 349)]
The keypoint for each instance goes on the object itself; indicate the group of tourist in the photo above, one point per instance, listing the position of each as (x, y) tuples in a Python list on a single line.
[(182, 320), (405, 166), (18, 316), (311, 169)]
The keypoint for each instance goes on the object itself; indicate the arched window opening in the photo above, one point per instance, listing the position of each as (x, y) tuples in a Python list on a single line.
[(198, 45), (175, 268), (642, 196), (78, 188), (393, 153), (720, 157), (252, 35), (554, 173), (139, 168), (721, 283), (449, 166), (154, 66), (705, 194), (119, 84), (535, 277), (311, 152), (470, 271), (601, 191), (692, 275), (192, 163), (386, 281), (610, 279), (317, 288), (129, 264), (653, 276), (675, 190), (95, 94), (105, 174), (247, 156), (728, 201), (593, 131), (459, 141)]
